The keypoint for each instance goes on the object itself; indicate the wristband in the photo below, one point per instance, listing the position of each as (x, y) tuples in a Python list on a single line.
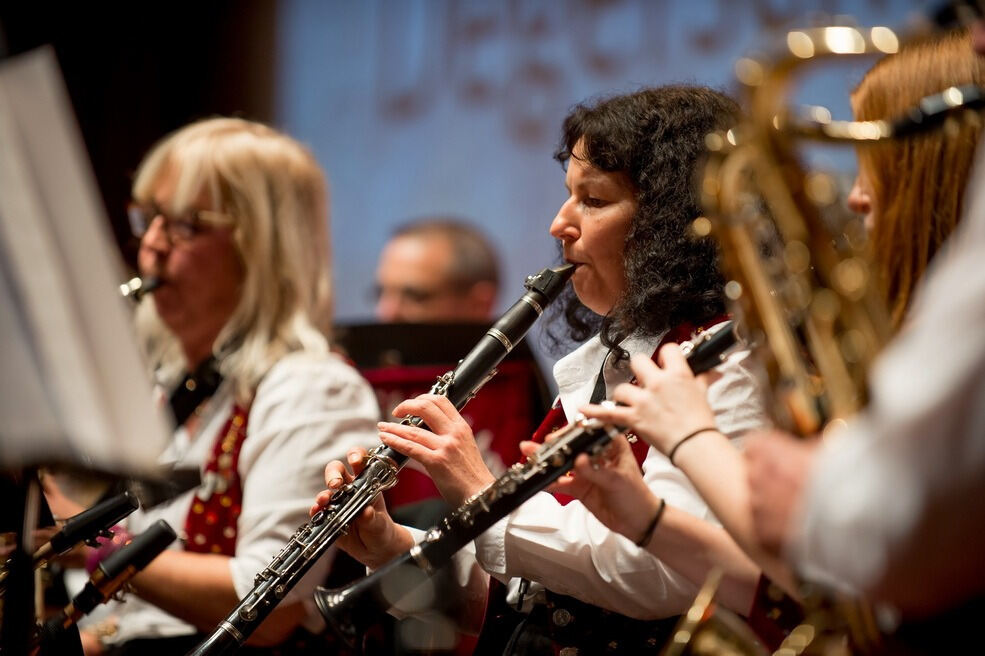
[(648, 534), (670, 456)]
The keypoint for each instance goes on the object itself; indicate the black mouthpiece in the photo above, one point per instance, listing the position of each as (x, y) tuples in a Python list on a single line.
[(933, 110), (550, 281), (89, 524), (143, 549), (150, 283), (712, 347), (135, 288)]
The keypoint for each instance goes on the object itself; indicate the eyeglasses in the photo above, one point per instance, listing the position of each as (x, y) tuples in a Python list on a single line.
[(416, 295), (406, 293), (177, 229)]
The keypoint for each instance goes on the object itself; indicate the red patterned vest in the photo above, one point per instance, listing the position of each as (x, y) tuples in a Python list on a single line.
[(215, 508)]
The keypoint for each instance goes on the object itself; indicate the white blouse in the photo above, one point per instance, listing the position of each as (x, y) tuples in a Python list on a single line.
[(565, 548), (308, 409)]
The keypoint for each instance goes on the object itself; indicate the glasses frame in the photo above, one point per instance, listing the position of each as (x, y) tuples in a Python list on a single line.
[(141, 217)]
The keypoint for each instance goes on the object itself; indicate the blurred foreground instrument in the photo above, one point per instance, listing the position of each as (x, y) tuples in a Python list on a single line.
[(707, 628), (88, 525), (84, 527), (795, 265), (111, 575), (795, 262)]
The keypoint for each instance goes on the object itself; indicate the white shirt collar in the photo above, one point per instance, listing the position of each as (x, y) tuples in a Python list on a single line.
[(576, 372)]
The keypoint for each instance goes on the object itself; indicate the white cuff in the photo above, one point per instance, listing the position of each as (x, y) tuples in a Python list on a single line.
[(490, 548)]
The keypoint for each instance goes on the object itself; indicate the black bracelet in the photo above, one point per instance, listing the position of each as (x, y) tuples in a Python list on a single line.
[(648, 535), (670, 456)]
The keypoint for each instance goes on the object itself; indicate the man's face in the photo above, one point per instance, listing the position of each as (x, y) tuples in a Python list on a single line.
[(414, 284)]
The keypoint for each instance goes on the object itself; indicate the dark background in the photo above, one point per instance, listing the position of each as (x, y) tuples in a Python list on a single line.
[(136, 71)]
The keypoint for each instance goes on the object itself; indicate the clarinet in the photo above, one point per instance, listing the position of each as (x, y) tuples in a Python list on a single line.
[(351, 610), (136, 288), (313, 539)]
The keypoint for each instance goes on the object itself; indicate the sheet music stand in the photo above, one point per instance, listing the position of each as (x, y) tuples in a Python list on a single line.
[(74, 389)]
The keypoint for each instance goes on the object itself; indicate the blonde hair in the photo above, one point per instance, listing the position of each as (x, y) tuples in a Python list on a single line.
[(918, 182), (276, 193)]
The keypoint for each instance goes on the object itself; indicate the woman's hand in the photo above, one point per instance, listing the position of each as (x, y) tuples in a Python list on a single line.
[(611, 486), (91, 644), (669, 402), (777, 465), (373, 538), (448, 450)]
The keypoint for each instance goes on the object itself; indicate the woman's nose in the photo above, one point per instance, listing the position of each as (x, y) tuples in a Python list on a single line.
[(859, 201), (156, 238), (565, 224)]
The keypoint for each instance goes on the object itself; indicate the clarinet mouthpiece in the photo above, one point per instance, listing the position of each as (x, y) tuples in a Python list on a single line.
[(135, 288)]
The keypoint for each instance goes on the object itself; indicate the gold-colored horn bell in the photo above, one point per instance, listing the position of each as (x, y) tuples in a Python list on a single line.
[(797, 271), (708, 629)]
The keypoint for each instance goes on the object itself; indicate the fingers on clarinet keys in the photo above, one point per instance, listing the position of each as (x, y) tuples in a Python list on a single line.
[(630, 436), (604, 457)]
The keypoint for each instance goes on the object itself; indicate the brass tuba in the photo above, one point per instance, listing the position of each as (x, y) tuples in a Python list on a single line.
[(796, 269)]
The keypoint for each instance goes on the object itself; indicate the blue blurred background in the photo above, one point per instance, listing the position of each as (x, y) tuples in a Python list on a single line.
[(413, 107), (420, 107)]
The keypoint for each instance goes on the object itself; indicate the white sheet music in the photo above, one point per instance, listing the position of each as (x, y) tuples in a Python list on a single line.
[(73, 388)]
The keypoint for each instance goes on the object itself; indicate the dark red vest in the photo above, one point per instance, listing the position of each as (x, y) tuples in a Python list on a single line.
[(211, 525)]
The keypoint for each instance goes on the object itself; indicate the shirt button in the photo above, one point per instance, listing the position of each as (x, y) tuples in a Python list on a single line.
[(561, 617)]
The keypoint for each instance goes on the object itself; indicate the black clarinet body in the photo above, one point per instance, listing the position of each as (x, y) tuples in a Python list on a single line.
[(352, 609), (314, 538)]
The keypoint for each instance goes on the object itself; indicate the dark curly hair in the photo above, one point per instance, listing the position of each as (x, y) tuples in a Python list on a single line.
[(656, 137)]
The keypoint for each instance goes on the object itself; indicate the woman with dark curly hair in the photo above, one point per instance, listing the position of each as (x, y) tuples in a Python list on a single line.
[(652, 140), (641, 278)]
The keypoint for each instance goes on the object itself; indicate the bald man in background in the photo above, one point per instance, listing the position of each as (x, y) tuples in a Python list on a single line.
[(436, 271), (441, 270)]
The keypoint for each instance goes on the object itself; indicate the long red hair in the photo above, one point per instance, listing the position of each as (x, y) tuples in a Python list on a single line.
[(918, 183)]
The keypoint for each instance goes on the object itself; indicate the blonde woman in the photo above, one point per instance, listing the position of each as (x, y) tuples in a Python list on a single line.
[(232, 220)]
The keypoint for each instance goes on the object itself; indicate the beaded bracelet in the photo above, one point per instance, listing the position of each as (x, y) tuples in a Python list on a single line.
[(648, 534), (670, 456)]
